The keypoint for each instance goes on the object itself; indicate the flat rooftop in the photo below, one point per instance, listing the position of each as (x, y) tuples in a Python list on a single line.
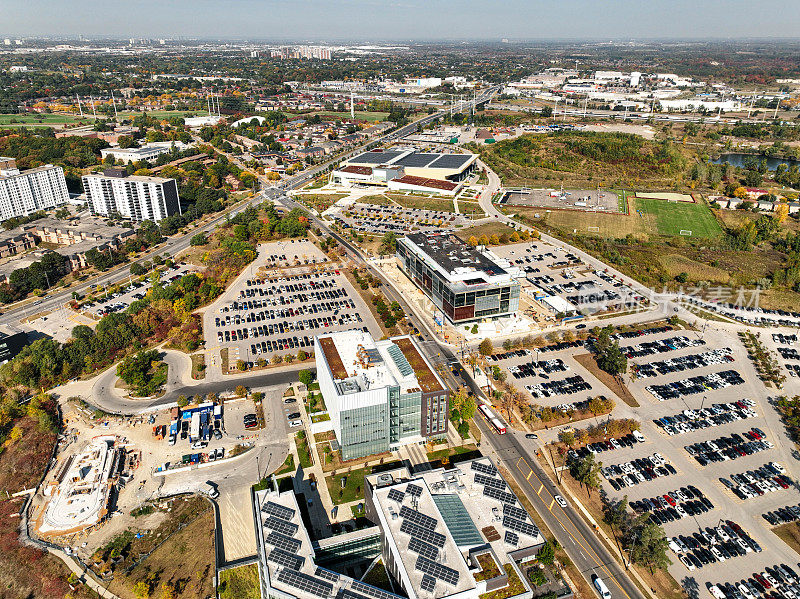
[(452, 255), (129, 178), (358, 363), (410, 158), (289, 555)]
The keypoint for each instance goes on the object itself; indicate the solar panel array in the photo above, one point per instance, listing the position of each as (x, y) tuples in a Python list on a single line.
[(422, 548), (371, 591), (427, 535), (281, 526), (437, 571), (281, 511), (417, 517), (450, 161), (525, 528), (396, 495), (428, 583), (282, 541), (305, 582), (417, 160), (326, 574), (413, 489), (348, 594), (512, 538), (515, 512), (286, 559), (489, 481), (501, 496), (484, 468)]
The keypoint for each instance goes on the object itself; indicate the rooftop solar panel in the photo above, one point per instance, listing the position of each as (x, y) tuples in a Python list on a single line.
[(422, 548), (326, 574), (282, 541), (501, 496), (286, 559), (396, 495), (417, 160), (429, 536), (371, 591), (280, 511), (374, 158), (512, 538), (438, 571), (418, 517), (305, 582), (428, 583), (414, 490), (525, 528), (490, 481), (515, 512), (484, 468), (450, 161), (281, 526)]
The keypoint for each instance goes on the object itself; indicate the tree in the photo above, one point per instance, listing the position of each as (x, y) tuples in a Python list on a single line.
[(182, 401), (486, 348), (388, 243), (241, 391), (586, 472), (567, 438), (472, 241), (468, 407), (137, 269), (306, 377), (547, 554), (647, 545), (199, 239), (141, 590), (608, 354)]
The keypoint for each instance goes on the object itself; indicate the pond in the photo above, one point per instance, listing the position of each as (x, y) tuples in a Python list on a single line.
[(739, 159)]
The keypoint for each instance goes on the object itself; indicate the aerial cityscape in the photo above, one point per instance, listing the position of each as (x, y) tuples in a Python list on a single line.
[(354, 300)]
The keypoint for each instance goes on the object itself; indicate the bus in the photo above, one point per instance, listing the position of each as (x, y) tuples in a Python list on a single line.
[(601, 587), (496, 423)]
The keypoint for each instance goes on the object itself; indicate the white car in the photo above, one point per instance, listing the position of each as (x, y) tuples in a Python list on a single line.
[(673, 545), (295, 423), (561, 501), (716, 592), (778, 467), (638, 436), (689, 565)]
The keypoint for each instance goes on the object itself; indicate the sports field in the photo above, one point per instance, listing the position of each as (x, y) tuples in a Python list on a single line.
[(673, 218), (38, 120), (361, 116)]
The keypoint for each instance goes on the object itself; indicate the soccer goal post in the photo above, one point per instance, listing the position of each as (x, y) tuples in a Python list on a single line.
[(593, 229), (686, 232)]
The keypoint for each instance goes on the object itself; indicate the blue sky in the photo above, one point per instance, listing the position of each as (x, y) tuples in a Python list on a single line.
[(404, 19)]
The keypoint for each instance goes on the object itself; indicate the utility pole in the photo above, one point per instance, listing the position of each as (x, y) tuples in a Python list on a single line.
[(78, 98)]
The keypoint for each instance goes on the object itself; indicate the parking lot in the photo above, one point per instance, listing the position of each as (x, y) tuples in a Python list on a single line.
[(119, 302), (278, 311), (719, 432), (371, 218), (551, 271)]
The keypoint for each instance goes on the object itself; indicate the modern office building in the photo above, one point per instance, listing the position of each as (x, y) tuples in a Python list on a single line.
[(145, 153), (465, 283), (428, 165), (379, 394), (459, 533), (132, 197), (25, 192)]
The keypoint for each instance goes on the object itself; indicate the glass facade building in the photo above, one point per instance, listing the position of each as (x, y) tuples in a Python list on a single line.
[(464, 283)]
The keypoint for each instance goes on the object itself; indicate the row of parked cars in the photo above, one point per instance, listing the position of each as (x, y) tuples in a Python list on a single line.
[(696, 384), (783, 515), (650, 348), (609, 445), (637, 471), (747, 314), (777, 582), (529, 369), (682, 363), (789, 353), (567, 386), (730, 447), (716, 414), (755, 483), (784, 339), (712, 545), (677, 504)]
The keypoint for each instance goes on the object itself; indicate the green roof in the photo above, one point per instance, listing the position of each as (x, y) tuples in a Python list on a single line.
[(457, 520)]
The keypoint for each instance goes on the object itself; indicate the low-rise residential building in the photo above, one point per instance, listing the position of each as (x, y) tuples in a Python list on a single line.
[(146, 153), (379, 394), (25, 192), (136, 198)]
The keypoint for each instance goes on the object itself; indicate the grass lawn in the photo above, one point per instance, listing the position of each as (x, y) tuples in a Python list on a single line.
[(240, 583), (198, 366), (673, 217), (353, 487), (378, 577), (162, 114), (287, 466), (372, 117), (448, 452), (321, 201), (488, 229), (19, 120), (789, 534)]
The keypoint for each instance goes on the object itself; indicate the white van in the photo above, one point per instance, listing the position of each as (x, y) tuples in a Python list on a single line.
[(601, 587)]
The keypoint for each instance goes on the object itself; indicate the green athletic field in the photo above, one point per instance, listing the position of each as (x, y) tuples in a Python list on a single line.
[(670, 218)]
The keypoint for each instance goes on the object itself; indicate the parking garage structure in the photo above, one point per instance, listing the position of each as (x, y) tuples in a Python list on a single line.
[(465, 283)]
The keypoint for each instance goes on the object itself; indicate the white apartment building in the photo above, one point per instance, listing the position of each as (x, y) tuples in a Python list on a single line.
[(132, 197), (23, 193)]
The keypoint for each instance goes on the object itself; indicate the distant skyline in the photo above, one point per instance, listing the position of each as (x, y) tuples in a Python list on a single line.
[(404, 20)]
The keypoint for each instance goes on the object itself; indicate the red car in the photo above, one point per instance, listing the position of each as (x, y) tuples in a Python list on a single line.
[(669, 500)]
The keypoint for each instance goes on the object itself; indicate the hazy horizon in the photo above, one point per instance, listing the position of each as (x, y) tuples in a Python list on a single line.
[(405, 20)]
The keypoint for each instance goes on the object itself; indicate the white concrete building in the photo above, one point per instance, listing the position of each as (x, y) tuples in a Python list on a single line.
[(26, 192), (147, 152), (133, 197), (379, 394)]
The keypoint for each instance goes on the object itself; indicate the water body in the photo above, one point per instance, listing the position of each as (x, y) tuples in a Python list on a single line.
[(739, 159)]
